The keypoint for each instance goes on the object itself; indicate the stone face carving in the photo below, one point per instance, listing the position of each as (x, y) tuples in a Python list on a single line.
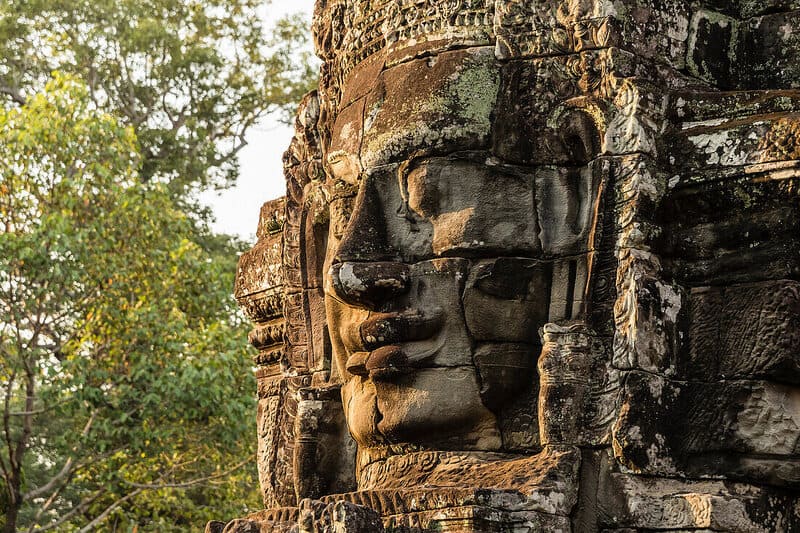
[(538, 271)]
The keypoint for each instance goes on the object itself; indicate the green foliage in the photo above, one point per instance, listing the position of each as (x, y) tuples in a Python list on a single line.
[(126, 391), (189, 75), (126, 394)]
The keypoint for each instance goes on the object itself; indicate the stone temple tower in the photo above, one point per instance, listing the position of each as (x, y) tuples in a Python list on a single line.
[(537, 270)]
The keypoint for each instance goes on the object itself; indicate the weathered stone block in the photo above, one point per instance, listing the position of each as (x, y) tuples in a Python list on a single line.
[(567, 201), (771, 51), (734, 143), (656, 31), (650, 317), (732, 231), (324, 452), (712, 47), (577, 387), (693, 107), (505, 370), (664, 425), (443, 103), (673, 504), (506, 300), (754, 8), (744, 332), (471, 206)]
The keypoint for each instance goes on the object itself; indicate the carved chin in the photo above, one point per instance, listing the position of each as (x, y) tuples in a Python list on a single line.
[(433, 407), (361, 406)]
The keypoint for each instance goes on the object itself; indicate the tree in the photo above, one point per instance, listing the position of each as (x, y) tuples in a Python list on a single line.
[(125, 389), (120, 354), (191, 76)]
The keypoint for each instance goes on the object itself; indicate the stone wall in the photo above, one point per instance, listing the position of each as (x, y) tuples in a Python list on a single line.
[(540, 272)]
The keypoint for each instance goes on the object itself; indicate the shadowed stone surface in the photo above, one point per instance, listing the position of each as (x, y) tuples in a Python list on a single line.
[(537, 270)]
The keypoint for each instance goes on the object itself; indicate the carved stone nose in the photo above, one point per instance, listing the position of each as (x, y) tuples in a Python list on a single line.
[(366, 237), (369, 285)]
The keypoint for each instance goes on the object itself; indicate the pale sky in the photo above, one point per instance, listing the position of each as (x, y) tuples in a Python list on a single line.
[(261, 176)]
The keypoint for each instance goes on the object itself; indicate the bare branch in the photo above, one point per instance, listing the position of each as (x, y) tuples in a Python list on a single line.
[(46, 506), (187, 484), (65, 470), (27, 413), (102, 516), (14, 93), (72, 512), (41, 410)]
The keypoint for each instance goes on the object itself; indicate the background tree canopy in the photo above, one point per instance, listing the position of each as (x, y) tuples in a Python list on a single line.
[(126, 389), (189, 75)]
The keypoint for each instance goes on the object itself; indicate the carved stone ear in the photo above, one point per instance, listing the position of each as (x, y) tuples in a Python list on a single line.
[(576, 138), (324, 453), (579, 136)]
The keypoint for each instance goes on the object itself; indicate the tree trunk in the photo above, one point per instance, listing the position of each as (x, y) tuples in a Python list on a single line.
[(13, 511), (17, 457)]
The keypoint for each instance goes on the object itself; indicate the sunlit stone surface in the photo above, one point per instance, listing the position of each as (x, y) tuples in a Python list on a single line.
[(536, 271)]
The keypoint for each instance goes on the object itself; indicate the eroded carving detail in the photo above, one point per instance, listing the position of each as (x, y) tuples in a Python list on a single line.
[(539, 272)]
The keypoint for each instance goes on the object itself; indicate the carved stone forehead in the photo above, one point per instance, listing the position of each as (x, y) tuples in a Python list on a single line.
[(456, 101), (433, 105), (404, 75)]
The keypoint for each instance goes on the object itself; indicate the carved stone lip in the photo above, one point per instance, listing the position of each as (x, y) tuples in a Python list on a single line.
[(385, 362), (390, 344), (391, 361), (383, 329)]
